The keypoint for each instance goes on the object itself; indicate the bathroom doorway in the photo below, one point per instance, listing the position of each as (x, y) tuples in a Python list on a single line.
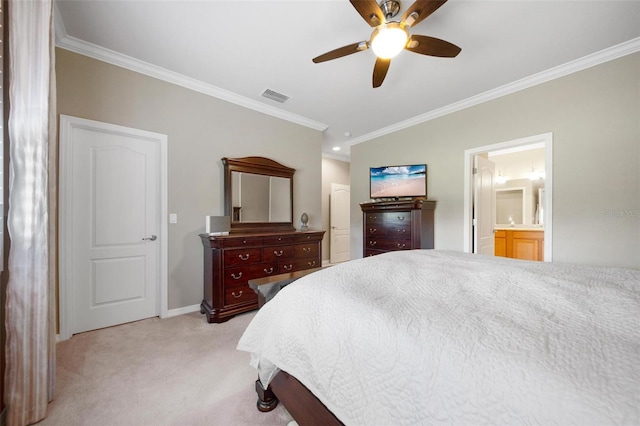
[(522, 192)]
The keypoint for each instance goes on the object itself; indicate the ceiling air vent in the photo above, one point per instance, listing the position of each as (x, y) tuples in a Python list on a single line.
[(275, 96)]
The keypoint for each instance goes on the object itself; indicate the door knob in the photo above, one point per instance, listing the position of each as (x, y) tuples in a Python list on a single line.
[(151, 238)]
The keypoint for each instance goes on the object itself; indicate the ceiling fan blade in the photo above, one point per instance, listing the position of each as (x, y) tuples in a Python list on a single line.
[(342, 51), (370, 11), (422, 8), (431, 46), (380, 71)]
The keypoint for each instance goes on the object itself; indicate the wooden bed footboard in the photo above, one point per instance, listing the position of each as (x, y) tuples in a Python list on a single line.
[(304, 407)]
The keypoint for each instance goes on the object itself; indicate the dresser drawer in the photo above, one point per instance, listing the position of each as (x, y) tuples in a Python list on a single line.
[(241, 242), (369, 252), (387, 244), (376, 229), (302, 237), (279, 239), (297, 265), (240, 275), (389, 230), (242, 256), (401, 217), (374, 218), (269, 254), (397, 218), (305, 250), (239, 294)]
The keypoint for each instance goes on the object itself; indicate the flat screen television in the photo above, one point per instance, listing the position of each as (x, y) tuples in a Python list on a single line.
[(406, 181)]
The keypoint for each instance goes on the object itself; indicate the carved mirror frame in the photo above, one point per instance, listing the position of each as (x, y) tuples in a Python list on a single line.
[(261, 166)]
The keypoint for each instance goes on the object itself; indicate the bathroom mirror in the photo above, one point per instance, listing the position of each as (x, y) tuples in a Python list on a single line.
[(518, 202), (258, 194), (510, 206)]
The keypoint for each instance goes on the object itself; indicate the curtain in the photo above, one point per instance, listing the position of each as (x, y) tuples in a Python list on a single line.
[(30, 301)]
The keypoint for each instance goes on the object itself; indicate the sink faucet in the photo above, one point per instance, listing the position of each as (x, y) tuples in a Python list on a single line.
[(511, 222)]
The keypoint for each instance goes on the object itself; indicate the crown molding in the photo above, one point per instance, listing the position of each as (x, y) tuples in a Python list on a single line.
[(64, 41), (606, 55)]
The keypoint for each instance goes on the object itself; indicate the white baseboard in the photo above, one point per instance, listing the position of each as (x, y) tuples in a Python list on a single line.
[(170, 313), (182, 311)]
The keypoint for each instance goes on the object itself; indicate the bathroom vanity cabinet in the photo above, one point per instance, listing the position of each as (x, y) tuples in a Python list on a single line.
[(520, 243)]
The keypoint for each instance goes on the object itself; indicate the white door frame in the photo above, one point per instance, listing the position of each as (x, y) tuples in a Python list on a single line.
[(547, 139), (67, 124)]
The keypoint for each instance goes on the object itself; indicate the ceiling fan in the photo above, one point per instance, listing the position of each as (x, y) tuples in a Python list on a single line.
[(390, 37)]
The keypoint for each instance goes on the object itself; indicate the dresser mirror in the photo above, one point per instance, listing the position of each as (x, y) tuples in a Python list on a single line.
[(258, 194)]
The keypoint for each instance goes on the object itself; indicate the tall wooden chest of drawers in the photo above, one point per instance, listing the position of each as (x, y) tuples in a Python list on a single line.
[(230, 261), (397, 225)]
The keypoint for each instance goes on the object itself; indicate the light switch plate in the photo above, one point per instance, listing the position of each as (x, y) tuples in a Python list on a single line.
[(173, 218)]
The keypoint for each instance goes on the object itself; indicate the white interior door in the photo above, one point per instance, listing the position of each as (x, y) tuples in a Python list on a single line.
[(110, 242), (339, 222), (483, 206)]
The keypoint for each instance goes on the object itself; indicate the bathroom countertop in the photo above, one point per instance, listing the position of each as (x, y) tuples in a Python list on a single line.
[(518, 228)]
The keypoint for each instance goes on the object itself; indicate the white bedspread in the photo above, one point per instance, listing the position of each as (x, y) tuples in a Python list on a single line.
[(430, 337)]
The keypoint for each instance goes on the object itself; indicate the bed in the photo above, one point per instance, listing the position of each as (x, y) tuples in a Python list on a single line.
[(444, 337)]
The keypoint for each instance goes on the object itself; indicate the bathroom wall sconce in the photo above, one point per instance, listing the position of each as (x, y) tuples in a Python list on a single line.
[(536, 175)]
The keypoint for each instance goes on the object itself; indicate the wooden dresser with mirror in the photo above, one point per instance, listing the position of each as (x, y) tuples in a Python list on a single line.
[(258, 196)]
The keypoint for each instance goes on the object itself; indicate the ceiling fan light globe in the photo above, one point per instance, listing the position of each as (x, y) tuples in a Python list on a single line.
[(388, 40)]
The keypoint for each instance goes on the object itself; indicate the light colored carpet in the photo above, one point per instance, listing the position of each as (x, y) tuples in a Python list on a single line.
[(176, 371)]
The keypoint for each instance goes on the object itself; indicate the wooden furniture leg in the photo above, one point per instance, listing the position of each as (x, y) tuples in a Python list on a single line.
[(267, 401), (304, 407)]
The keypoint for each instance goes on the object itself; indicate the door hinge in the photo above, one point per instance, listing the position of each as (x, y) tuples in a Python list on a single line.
[(475, 170)]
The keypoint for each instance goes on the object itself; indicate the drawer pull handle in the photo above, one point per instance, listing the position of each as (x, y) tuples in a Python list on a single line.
[(233, 275), (372, 243), (244, 256), (373, 230), (244, 241), (372, 217), (288, 267), (306, 249), (401, 245), (269, 271), (312, 263), (402, 231), (278, 253), (279, 238), (400, 217), (233, 293)]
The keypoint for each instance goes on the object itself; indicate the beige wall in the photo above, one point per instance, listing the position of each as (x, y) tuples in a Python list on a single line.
[(594, 116), (201, 130), (333, 171)]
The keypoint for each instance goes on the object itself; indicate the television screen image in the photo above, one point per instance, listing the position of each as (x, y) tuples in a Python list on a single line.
[(398, 181)]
